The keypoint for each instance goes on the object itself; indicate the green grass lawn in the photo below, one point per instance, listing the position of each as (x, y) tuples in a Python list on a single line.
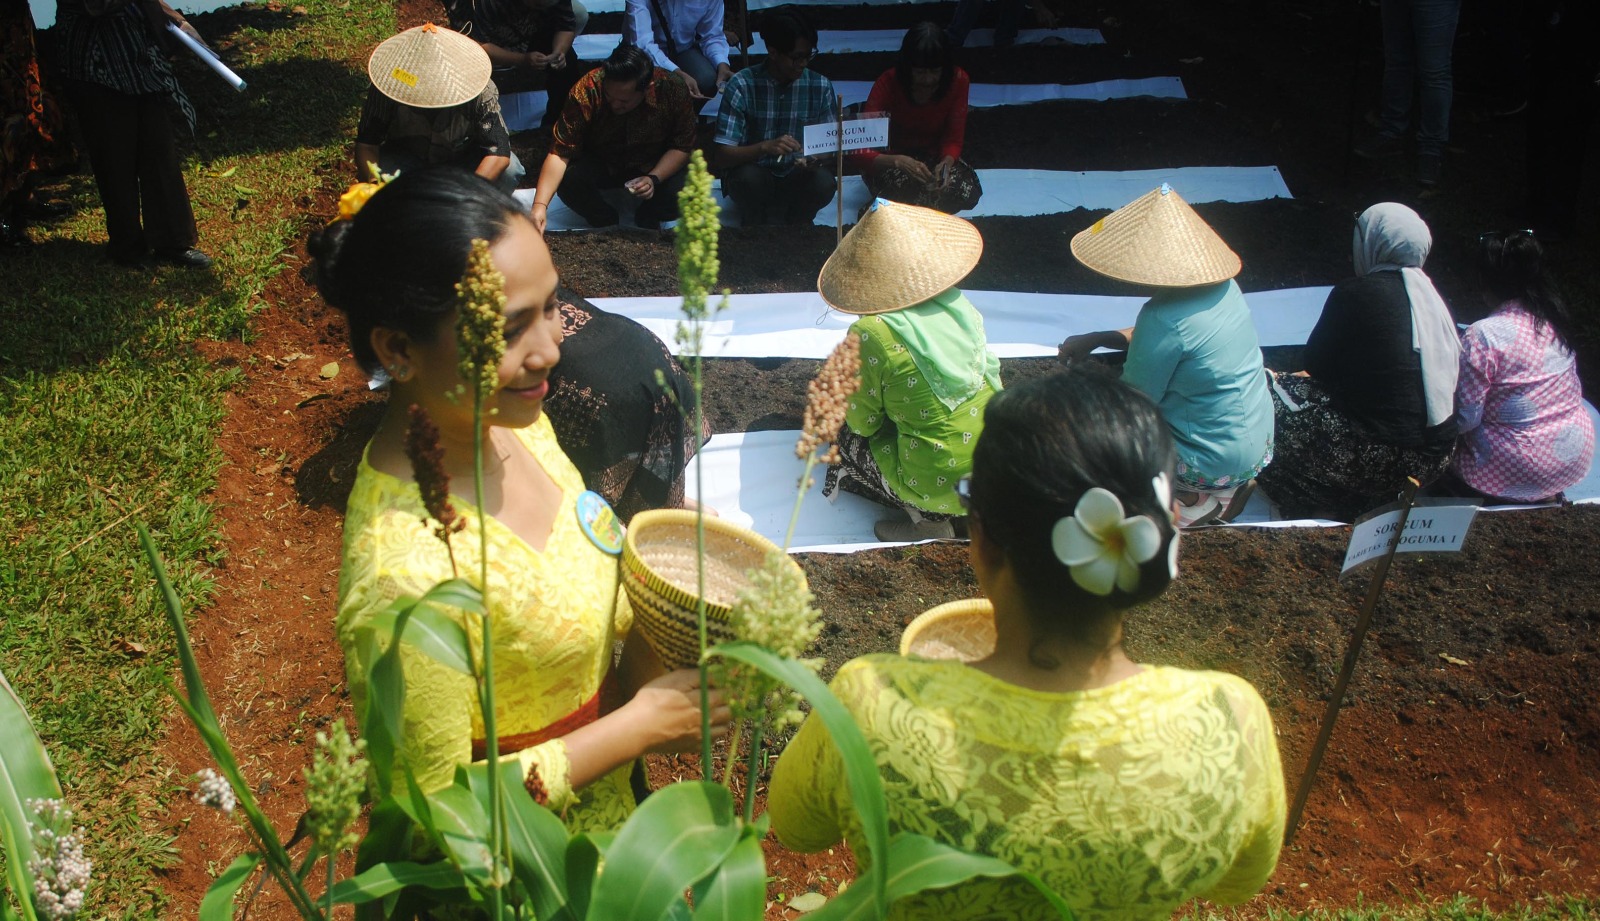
[(108, 416)]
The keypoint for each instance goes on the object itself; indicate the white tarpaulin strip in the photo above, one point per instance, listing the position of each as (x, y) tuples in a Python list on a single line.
[(1018, 324), (990, 95), (598, 47), (523, 111), (751, 479), (1021, 192)]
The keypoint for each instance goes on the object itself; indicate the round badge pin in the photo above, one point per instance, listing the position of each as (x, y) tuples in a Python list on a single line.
[(599, 522)]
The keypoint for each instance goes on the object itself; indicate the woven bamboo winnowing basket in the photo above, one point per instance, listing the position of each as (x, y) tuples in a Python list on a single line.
[(658, 573), (960, 630)]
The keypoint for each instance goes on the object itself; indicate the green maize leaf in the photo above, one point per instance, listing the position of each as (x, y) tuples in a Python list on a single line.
[(462, 826), (25, 773), (918, 863), (583, 863), (202, 714), (675, 839), (388, 840), (381, 724), (861, 770), (218, 902), (385, 879), (538, 841), (429, 630), (737, 891), (456, 593)]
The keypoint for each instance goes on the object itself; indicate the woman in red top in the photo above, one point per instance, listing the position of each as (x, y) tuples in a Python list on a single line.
[(925, 97)]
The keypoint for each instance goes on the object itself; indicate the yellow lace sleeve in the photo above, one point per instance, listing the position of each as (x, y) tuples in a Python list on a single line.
[(809, 798), (1266, 806)]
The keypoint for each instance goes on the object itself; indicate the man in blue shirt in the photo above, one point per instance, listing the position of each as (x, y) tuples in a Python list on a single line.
[(683, 36), (764, 112)]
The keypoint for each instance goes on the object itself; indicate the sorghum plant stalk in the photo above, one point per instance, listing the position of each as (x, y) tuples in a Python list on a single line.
[(696, 244), (775, 609), (481, 342)]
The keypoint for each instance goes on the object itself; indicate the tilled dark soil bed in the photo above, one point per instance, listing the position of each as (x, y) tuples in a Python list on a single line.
[(1467, 757)]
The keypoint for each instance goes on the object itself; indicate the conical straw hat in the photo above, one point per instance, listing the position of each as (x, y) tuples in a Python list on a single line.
[(898, 256), (429, 67), (1158, 240)]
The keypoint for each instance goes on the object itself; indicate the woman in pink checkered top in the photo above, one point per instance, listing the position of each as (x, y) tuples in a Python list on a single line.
[(1525, 434)]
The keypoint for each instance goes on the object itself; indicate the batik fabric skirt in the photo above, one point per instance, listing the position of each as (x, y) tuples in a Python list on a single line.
[(858, 473), (1327, 465)]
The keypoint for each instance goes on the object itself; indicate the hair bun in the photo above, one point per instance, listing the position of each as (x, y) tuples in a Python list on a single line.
[(325, 246)]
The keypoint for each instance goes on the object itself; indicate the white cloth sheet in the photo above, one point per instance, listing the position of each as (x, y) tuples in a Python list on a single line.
[(1018, 324), (1018, 192), (990, 95), (751, 479)]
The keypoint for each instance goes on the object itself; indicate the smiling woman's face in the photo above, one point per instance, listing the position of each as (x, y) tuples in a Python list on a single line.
[(533, 339)]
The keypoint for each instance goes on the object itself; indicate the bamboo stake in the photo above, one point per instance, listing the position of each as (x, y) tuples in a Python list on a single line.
[(1357, 637), (838, 170)]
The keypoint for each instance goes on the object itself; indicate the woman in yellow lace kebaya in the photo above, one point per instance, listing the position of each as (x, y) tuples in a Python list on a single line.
[(553, 582), (1129, 789)]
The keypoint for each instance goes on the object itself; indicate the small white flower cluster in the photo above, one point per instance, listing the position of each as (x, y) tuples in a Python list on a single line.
[(1104, 550), (60, 871), (215, 792)]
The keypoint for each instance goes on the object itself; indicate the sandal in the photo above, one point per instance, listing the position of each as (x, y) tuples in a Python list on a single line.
[(1206, 509)]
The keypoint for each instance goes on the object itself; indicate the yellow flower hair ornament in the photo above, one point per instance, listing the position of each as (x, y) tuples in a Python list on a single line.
[(1101, 548), (355, 197)]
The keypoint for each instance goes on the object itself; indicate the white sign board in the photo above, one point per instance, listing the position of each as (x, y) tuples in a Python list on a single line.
[(1430, 529), (859, 134)]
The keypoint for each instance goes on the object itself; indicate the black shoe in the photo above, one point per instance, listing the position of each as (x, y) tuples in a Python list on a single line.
[(184, 258), (1429, 168), (14, 235), (1378, 146), (128, 260)]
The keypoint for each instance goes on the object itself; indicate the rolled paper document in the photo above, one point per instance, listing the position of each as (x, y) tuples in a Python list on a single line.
[(205, 54)]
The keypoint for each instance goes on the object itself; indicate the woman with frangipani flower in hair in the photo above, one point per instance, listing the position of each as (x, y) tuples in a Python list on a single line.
[(1128, 789)]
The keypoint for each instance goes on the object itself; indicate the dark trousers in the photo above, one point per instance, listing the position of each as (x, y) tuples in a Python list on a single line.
[(130, 145), (766, 198), (585, 177)]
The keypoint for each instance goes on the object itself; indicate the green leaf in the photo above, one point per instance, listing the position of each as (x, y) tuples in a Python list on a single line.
[(218, 902), (388, 840), (918, 863), (25, 773), (431, 631), (202, 714), (861, 770), (583, 863), (387, 878), (462, 826), (538, 842), (737, 891), (456, 593), (675, 839)]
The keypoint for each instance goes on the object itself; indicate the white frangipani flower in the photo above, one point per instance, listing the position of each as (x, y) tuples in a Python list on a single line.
[(1100, 547), (1162, 484)]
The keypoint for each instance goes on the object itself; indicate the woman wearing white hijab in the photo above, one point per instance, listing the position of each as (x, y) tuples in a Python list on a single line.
[(1375, 403)]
